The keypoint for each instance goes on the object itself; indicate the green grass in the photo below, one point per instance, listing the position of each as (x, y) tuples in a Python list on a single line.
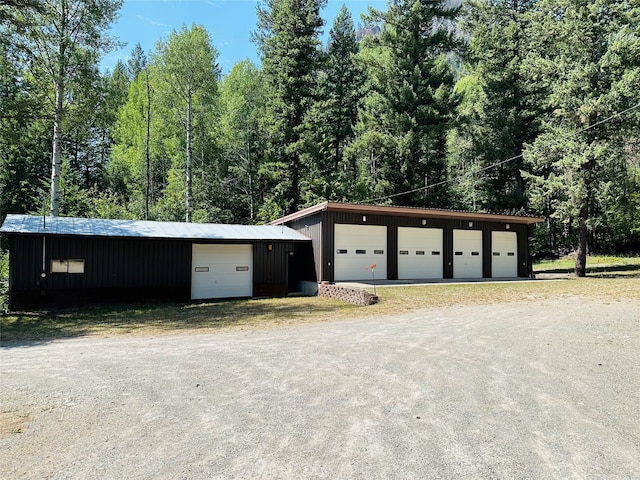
[(603, 265), (270, 313)]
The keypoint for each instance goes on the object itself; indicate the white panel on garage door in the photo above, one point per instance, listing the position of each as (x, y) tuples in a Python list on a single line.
[(419, 253), (356, 248), (504, 254), (467, 254), (221, 271)]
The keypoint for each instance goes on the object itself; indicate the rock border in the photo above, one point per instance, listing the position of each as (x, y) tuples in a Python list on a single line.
[(351, 295)]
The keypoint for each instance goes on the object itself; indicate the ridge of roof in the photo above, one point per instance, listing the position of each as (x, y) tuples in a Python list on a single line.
[(405, 211)]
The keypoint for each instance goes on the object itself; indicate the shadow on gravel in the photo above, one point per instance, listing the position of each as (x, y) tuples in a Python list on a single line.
[(24, 329)]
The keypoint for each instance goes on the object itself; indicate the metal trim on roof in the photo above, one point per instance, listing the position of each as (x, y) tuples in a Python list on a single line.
[(95, 227), (406, 212)]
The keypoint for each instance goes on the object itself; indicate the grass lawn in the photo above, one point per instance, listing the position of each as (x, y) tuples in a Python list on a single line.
[(610, 285), (602, 265)]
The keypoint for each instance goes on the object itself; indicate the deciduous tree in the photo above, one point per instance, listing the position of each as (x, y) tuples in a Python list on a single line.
[(65, 40)]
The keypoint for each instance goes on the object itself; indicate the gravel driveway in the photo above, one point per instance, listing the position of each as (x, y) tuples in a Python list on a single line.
[(546, 389)]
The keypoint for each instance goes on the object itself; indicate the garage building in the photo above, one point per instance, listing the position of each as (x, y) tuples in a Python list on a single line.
[(407, 243), (69, 261)]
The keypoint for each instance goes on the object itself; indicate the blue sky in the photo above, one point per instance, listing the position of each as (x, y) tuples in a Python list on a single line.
[(229, 22)]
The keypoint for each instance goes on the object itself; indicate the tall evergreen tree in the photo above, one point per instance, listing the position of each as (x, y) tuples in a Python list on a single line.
[(501, 107), (288, 39), (334, 114), (403, 127), (587, 55)]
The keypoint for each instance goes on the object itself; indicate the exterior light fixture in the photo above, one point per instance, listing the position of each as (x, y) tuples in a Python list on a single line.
[(364, 218), (270, 247), (470, 224), (508, 226), (424, 221)]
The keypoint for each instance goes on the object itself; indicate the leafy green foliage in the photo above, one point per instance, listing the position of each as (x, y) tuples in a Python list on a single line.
[(524, 119), (501, 106), (288, 39), (578, 165), (242, 100), (409, 109), (332, 117)]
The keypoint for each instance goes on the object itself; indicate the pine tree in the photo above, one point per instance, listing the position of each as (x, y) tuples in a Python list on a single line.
[(408, 112), (587, 55), (334, 114), (288, 39), (501, 107)]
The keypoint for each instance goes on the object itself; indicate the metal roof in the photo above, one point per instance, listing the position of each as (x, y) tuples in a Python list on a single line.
[(405, 212), (96, 227)]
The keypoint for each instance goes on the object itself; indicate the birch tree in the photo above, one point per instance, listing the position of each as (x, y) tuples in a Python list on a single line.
[(187, 68), (64, 41)]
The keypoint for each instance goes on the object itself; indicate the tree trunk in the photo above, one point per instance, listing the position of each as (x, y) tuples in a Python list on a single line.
[(581, 253), (189, 160), (146, 148), (56, 157), (250, 172)]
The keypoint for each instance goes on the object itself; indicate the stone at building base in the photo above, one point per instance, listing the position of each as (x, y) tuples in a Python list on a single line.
[(351, 295)]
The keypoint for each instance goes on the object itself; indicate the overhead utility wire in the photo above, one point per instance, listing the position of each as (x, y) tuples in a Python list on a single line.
[(502, 162)]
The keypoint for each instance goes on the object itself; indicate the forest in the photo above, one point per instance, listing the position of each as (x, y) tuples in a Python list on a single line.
[(503, 106)]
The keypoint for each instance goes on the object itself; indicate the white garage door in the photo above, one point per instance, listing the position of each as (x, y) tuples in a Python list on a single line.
[(356, 248), (221, 271), (419, 253), (467, 254), (504, 254)]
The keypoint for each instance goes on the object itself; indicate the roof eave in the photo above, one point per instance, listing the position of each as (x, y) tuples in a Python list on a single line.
[(406, 212)]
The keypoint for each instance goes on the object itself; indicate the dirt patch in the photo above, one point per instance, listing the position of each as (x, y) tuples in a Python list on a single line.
[(13, 422)]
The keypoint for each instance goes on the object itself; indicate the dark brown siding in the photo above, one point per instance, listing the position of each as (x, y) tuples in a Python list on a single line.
[(278, 270), (114, 270), (329, 219), (312, 227), (124, 270)]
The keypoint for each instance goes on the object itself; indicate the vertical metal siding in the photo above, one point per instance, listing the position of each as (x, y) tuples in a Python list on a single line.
[(115, 268), (313, 228), (270, 266)]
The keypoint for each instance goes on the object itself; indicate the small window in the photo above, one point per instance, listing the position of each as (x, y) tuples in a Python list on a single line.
[(342, 251), (67, 266), (76, 266), (361, 252), (59, 266), (404, 252), (511, 254), (496, 254), (378, 252), (243, 268), (419, 252), (202, 269), (475, 254), (459, 254), (435, 253)]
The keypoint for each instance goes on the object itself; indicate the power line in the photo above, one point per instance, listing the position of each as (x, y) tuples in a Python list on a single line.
[(502, 162)]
